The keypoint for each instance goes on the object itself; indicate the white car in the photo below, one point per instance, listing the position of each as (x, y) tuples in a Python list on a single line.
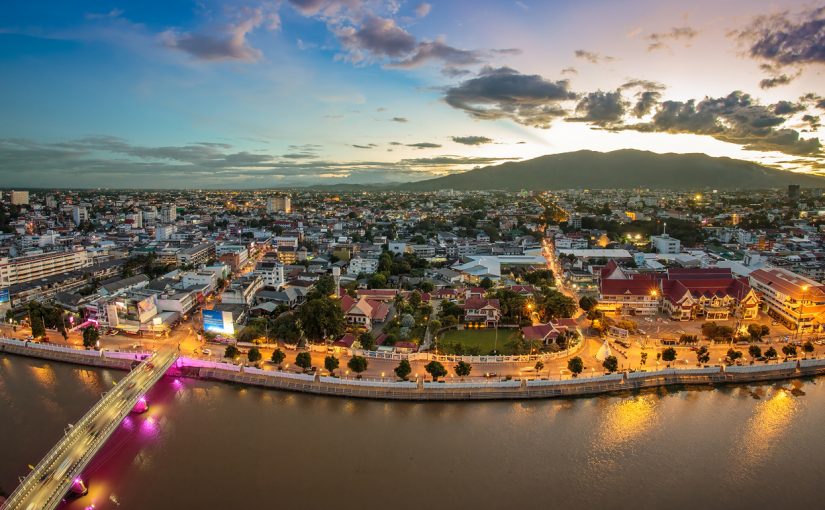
[(206, 352)]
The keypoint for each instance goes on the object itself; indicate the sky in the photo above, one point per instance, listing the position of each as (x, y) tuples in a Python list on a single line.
[(282, 93)]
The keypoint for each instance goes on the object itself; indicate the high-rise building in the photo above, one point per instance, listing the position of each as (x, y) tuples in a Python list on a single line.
[(280, 203), (19, 197), (51, 202), (793, 191), (79, 214), (169, 213)]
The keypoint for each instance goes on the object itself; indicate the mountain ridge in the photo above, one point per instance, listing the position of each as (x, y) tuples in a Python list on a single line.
[(619, 169)]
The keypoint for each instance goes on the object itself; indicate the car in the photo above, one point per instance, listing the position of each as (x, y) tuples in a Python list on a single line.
[(774, 323), (206, 352)]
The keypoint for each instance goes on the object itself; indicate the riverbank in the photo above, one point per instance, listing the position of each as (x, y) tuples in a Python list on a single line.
[(420, 390)]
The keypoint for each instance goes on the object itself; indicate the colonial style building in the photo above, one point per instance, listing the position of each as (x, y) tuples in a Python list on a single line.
[(482, 311), (710, 294)]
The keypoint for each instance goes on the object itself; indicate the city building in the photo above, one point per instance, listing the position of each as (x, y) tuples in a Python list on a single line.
[(792, 299), (271, 272), (79, 214), (360, 265), (279, 203), (19, 197), (33, 267), (665, 244)]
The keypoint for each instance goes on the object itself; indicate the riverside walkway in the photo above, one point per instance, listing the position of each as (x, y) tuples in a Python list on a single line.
[(56, 474)]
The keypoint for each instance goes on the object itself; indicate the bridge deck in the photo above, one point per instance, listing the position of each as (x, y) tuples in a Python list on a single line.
[(52, 478)]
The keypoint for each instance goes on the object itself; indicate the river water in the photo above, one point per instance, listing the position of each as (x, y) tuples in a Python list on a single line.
[(212, 445)]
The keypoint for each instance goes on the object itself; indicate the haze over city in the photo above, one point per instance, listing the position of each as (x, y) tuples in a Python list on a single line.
[(306, 92)]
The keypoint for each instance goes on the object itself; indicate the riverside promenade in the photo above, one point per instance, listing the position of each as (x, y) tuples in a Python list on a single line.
[(455, 389)]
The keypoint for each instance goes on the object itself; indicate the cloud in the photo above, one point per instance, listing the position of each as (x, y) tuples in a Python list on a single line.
[(569, 70), (601, 108), (422, 9), (438, 50), (472, 140), (376, 36), (90, 161), (659, 40), (228, 44), (368, 146), (498, 93), (454, 160), (424, 145), (776, 81), (507, 51), (647, 97), (787, 108), (399, 119), (592, 57), (736, 118), (784, 39)]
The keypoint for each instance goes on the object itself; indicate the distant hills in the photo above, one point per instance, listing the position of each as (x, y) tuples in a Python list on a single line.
[(619, 169)]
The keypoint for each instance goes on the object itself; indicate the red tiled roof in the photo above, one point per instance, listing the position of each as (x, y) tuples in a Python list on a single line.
[(478, 303), (635, 287), (345, 341)]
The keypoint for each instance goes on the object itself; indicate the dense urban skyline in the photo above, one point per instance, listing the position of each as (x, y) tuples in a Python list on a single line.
[(267, 94)]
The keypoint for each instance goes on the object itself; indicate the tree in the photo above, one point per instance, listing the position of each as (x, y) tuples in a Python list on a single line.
[(403, 370), (36, 320), (377, 281), (755, 351), (643, 360), (587, 303), (285, 328), (322, 318), (325, 285), (463, 369), (254, 355), (367, 341), (435, 369), (552, 304), (539, 366), (669, 355), (770, 353), (358, 364), (486, 283), (611, 364), (703, 355), (90, 337), (331, 363), (757, 331), (415, 299), (733, 354), (278, 357), (808, 347), (304, 360), (575, 365), (789, 350), (231, 352)]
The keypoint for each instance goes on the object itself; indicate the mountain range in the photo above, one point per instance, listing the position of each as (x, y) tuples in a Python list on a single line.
[(625, 168)]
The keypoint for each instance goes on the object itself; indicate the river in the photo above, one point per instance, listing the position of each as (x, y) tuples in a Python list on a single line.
[(213, 445)]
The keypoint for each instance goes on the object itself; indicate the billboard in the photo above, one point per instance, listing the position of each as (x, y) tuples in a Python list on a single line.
[(217, 321), (5, 296)]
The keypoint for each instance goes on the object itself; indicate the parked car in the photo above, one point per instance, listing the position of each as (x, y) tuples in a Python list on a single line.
[(206, 352)]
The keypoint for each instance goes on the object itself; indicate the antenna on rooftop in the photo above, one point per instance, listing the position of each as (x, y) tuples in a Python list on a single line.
[(664, 229)]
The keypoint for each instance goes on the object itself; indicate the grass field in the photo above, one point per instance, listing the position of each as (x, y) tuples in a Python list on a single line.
[(484, 339)]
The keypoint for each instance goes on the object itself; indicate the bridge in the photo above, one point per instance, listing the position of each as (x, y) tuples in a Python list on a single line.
[(47, 484)]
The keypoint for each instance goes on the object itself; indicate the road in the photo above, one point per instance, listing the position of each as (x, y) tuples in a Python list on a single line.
[(46, 485)]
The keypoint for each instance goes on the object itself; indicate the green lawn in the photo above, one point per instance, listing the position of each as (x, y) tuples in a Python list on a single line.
[(484, 339)]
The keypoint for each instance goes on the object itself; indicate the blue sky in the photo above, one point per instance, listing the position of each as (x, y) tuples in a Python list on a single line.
[(297, 92)]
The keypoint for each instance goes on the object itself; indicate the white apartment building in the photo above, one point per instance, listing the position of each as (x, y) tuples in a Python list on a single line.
[(34, 267), (169, 213), (360, 265), (164, 232), (280, 203), (665, 244), (271, 272), (242, 291), (207, 280), (79, 214)]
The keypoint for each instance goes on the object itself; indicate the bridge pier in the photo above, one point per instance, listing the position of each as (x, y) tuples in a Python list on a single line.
[(141, 406), (78, 488)]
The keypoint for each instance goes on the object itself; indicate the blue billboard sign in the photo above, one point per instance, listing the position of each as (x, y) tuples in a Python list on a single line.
[(217, 321), (5, 296)]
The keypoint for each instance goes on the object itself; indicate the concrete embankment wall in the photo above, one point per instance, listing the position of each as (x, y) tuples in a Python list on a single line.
[(121, 361), (420, 390)]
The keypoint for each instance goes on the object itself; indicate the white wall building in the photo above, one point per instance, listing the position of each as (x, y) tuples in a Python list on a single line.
[(360, 265)]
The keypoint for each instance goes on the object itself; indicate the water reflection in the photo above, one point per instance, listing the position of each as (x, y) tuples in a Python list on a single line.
[(627, 420), (771, 420)]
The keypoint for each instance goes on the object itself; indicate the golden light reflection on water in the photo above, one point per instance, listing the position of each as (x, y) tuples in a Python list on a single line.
[(626, 420), (771, 419), (44, 375)]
